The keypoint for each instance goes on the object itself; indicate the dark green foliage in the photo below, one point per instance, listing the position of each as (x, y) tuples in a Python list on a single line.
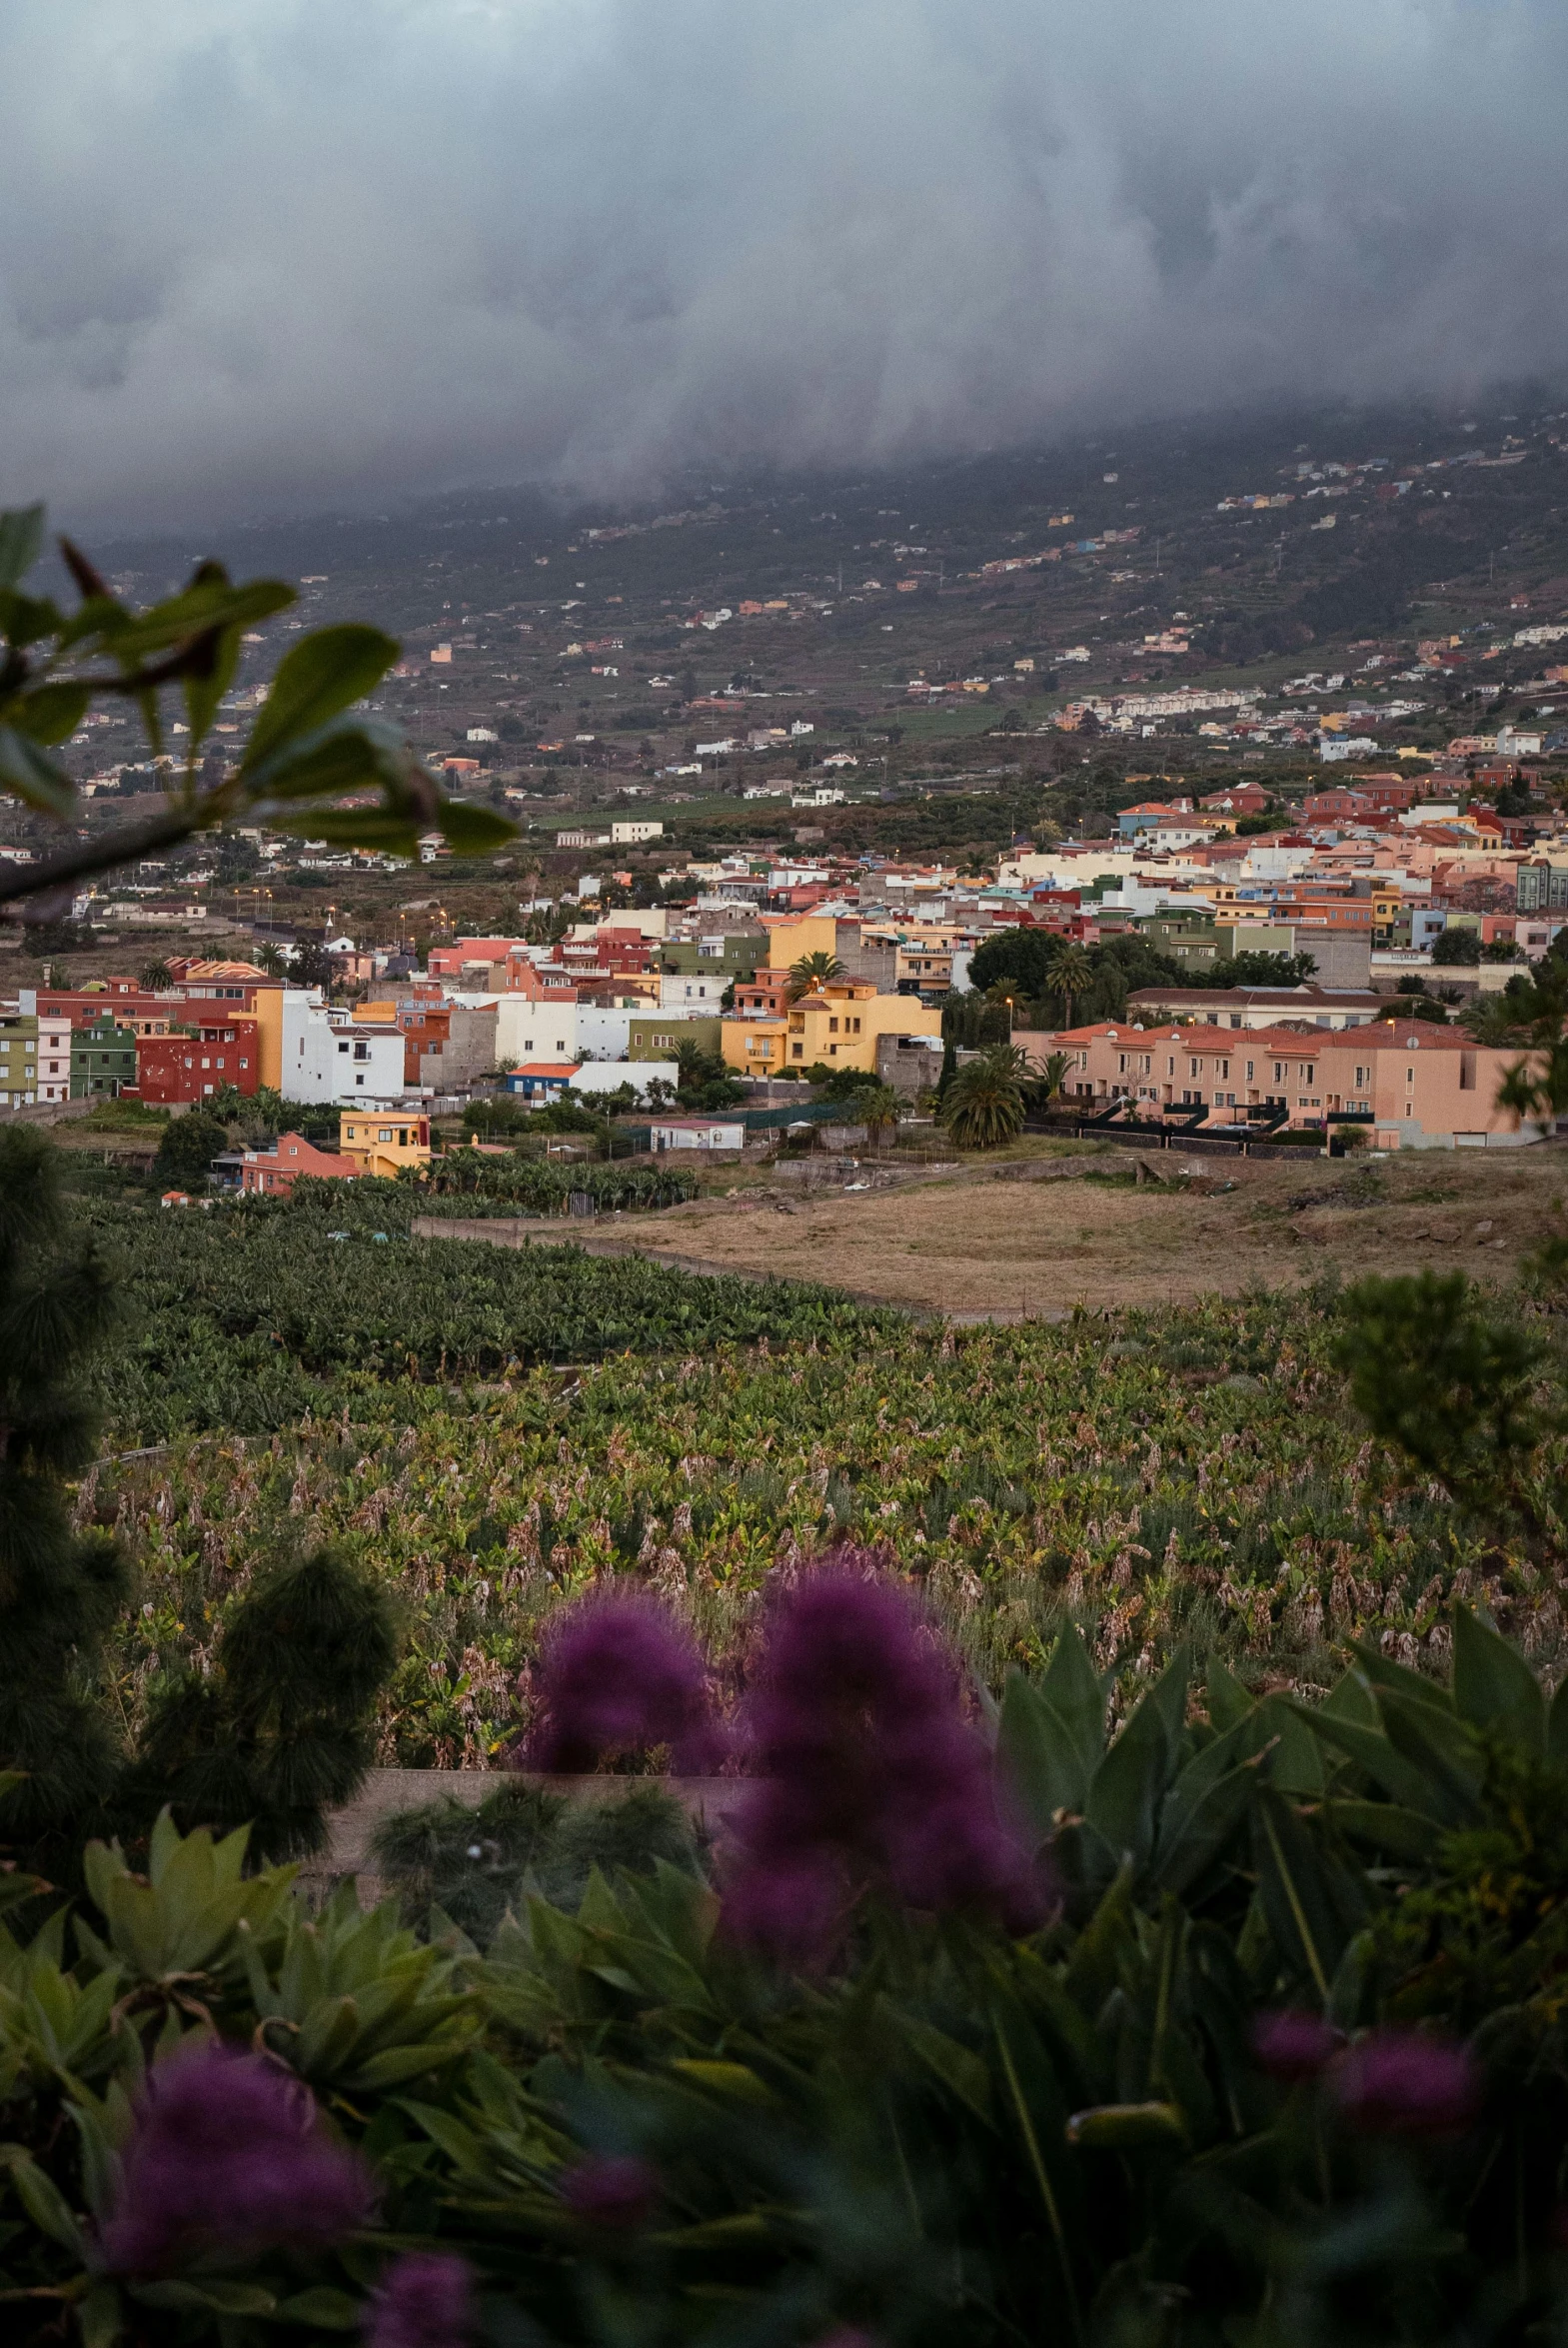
[(188, 1147), (249, 1316), (534, 1186), (954, 2135), (1262, 969), (280, 1733), (59, 1594), (1437, 1374), (525, 1840), (1457, 948)]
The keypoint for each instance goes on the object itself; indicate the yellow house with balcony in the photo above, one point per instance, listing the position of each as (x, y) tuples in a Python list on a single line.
[(836, 1026), (383, 1142)]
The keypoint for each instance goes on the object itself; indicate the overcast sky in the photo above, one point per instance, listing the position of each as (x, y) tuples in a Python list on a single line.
[(271, 255)]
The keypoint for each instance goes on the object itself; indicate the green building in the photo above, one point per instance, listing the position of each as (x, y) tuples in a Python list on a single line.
[(659, 1034), (18, 1060), (1191, 942), (733, 957), (103, 1060)]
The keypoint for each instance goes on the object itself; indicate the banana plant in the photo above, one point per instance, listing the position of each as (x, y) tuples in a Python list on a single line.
[(310, 765)]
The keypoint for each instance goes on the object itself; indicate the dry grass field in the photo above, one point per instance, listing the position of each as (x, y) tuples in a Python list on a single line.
[(1043, 1231)]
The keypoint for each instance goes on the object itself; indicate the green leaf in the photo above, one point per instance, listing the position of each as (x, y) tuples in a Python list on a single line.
[(349, 754), (1108, 1935), (1295, 1765), (1444, 1749), (212, 2297), (52, 712), (1371, 1751), (1298, 1895), (1072, 1691), (26, 772), (325, 674), (1037, 1756), (1228, 1702), (21, 542), (472, 831), (1399, 1678), (958, 2068), (1204, 1831), (736, 2082), (333, 2311), (1384, 1826), (100, 2316), (210, 604), (27, 619), (1169, 1696), (1494, 1687), (42, 2199), (1124, 1796), (204, 692)]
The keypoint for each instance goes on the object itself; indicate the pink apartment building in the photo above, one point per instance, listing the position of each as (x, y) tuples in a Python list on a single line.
[(1419, 1086)]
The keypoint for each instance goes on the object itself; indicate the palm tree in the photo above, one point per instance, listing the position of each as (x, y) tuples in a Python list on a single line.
[(269, 959), (814, 970), (1072, 974), (984, 1106), (880, 1108), (1052, 1075), (156, 974), (1495, 1020)]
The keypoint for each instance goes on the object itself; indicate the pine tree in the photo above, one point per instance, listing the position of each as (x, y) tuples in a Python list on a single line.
[(59, 1592)]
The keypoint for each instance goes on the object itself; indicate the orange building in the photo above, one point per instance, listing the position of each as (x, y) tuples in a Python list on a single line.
[(275, 1171)]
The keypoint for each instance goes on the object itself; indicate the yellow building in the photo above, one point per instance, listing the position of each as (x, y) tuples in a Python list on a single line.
[(267, 1011), (836, 1026), (791, 941), (383, 1142)]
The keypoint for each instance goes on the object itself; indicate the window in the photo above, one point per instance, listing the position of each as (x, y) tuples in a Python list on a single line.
[(1409, 1108), (1362, 1077), (1250, 1071), (343, 1048), (1409, 1076), (384, 1134)]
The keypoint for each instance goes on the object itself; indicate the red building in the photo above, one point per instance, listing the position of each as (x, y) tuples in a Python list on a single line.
[(190, 1063), (276, 1170)]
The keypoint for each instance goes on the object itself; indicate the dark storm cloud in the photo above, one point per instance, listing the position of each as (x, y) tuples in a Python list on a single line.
[(275, 253)]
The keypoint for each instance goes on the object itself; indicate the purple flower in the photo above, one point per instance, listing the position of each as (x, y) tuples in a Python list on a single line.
[(617, 1674), (426, 2300), (865, 1769), (229, 2155), (614, 2190), (1407, 2083), (1294, 2047)]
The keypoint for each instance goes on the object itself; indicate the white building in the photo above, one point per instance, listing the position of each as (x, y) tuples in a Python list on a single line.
[(631, 833), (696, 1132), (327, 1058), (697, 994)]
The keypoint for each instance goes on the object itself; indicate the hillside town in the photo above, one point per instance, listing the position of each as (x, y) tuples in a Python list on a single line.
[(1342, 929)]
